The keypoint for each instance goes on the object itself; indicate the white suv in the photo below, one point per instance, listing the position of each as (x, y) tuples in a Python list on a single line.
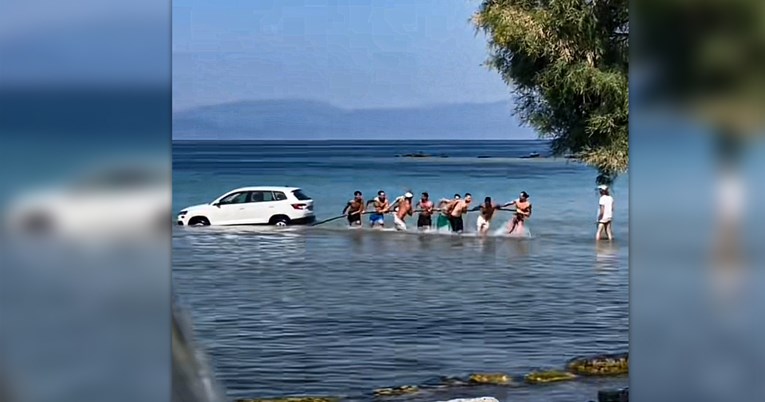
[(280, 206)]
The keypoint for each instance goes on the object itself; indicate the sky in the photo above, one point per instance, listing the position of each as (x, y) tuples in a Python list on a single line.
[(350, 54)]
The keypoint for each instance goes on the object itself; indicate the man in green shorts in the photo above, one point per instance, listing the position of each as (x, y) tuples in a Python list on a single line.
[(442, 222)]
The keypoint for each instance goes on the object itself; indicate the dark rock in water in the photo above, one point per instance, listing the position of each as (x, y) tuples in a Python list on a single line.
[(417, 155), (531, 155), (617, 395)]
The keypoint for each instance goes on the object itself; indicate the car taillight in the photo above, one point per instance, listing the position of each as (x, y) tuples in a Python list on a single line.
[(300, 206)]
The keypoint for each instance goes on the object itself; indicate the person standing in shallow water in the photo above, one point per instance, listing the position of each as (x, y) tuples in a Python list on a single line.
[(456, 209), (605, 212), (522, 212), (425, 205), (442, 222), (404, 208), (487, 212), (382, 206), (354, 209)]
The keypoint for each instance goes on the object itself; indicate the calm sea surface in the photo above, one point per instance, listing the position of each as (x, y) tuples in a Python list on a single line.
[(332, 311)]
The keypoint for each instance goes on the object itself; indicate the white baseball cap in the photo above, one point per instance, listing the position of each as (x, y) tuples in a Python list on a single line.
[(408, 195), (602, 187)]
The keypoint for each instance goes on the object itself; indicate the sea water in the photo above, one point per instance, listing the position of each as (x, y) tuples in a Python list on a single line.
[(331, 311)]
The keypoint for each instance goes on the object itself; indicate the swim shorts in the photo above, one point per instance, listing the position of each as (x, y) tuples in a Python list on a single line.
[(442, 222), (424, 221), (398, 223), (377, 219), (354, 219), (456, 223), (481, 223)]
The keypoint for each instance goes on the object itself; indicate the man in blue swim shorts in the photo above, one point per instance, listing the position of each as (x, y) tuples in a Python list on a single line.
[(381, 206)]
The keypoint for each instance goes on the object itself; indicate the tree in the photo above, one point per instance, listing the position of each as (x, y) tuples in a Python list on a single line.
[(705, 60), (567, 62)]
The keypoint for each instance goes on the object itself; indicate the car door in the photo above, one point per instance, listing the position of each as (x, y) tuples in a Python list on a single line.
[(260, 209), (231, 208)]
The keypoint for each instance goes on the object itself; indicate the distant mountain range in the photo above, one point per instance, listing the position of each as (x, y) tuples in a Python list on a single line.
[(312, 120)]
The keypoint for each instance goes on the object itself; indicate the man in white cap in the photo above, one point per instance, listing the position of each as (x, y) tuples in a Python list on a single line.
[(403, 207), (605, 212)]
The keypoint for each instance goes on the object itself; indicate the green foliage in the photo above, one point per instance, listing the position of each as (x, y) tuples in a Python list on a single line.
[(706, 56), (567, 61)]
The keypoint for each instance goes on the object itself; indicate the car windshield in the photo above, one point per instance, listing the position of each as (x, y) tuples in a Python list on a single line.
[(300, 195)]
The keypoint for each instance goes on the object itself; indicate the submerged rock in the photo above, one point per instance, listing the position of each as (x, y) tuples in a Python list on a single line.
[(293, 399), (543, 377), (604, 365), (481, 399), (395, 391), (617, 395), (490, 378)]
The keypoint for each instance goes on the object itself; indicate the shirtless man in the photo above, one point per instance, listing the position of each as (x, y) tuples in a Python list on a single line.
[(403, 208), (487, 212), (456, 209), (425, 205), (382, 206), (522, 212), (354, 209), (605, 212), (442, 222)]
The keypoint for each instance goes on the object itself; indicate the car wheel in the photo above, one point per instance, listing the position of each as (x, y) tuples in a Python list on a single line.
[(199, 221), (280, 221)]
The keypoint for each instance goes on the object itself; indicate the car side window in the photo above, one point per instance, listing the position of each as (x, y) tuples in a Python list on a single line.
[(261, 196), (257, 196), (279, 196), (236, 198)]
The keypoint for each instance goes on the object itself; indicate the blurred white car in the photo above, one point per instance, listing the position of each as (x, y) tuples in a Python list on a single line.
[(280, 206), (120, 200)]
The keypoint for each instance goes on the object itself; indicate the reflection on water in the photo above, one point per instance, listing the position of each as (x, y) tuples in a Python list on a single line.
[(338, 311), (607, 256)]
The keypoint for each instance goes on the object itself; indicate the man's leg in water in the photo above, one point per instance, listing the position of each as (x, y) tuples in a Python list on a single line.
[(601, 226), (608, 230), (514, 225)]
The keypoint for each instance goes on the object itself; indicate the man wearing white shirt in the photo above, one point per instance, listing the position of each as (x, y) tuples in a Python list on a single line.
[(605, 212)]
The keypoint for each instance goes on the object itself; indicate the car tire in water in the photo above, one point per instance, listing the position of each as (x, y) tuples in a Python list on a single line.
[(199, 221), (280, 220)]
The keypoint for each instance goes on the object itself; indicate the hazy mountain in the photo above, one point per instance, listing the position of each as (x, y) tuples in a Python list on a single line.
[(302, 120)]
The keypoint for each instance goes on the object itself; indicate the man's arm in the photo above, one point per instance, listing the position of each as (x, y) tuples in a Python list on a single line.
[(348, 205), (509, 203), (389, 206), (600, 212), (529, 214)]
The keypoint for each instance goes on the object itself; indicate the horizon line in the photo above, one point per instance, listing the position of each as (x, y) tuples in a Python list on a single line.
[(353, 140), (331, 104)]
